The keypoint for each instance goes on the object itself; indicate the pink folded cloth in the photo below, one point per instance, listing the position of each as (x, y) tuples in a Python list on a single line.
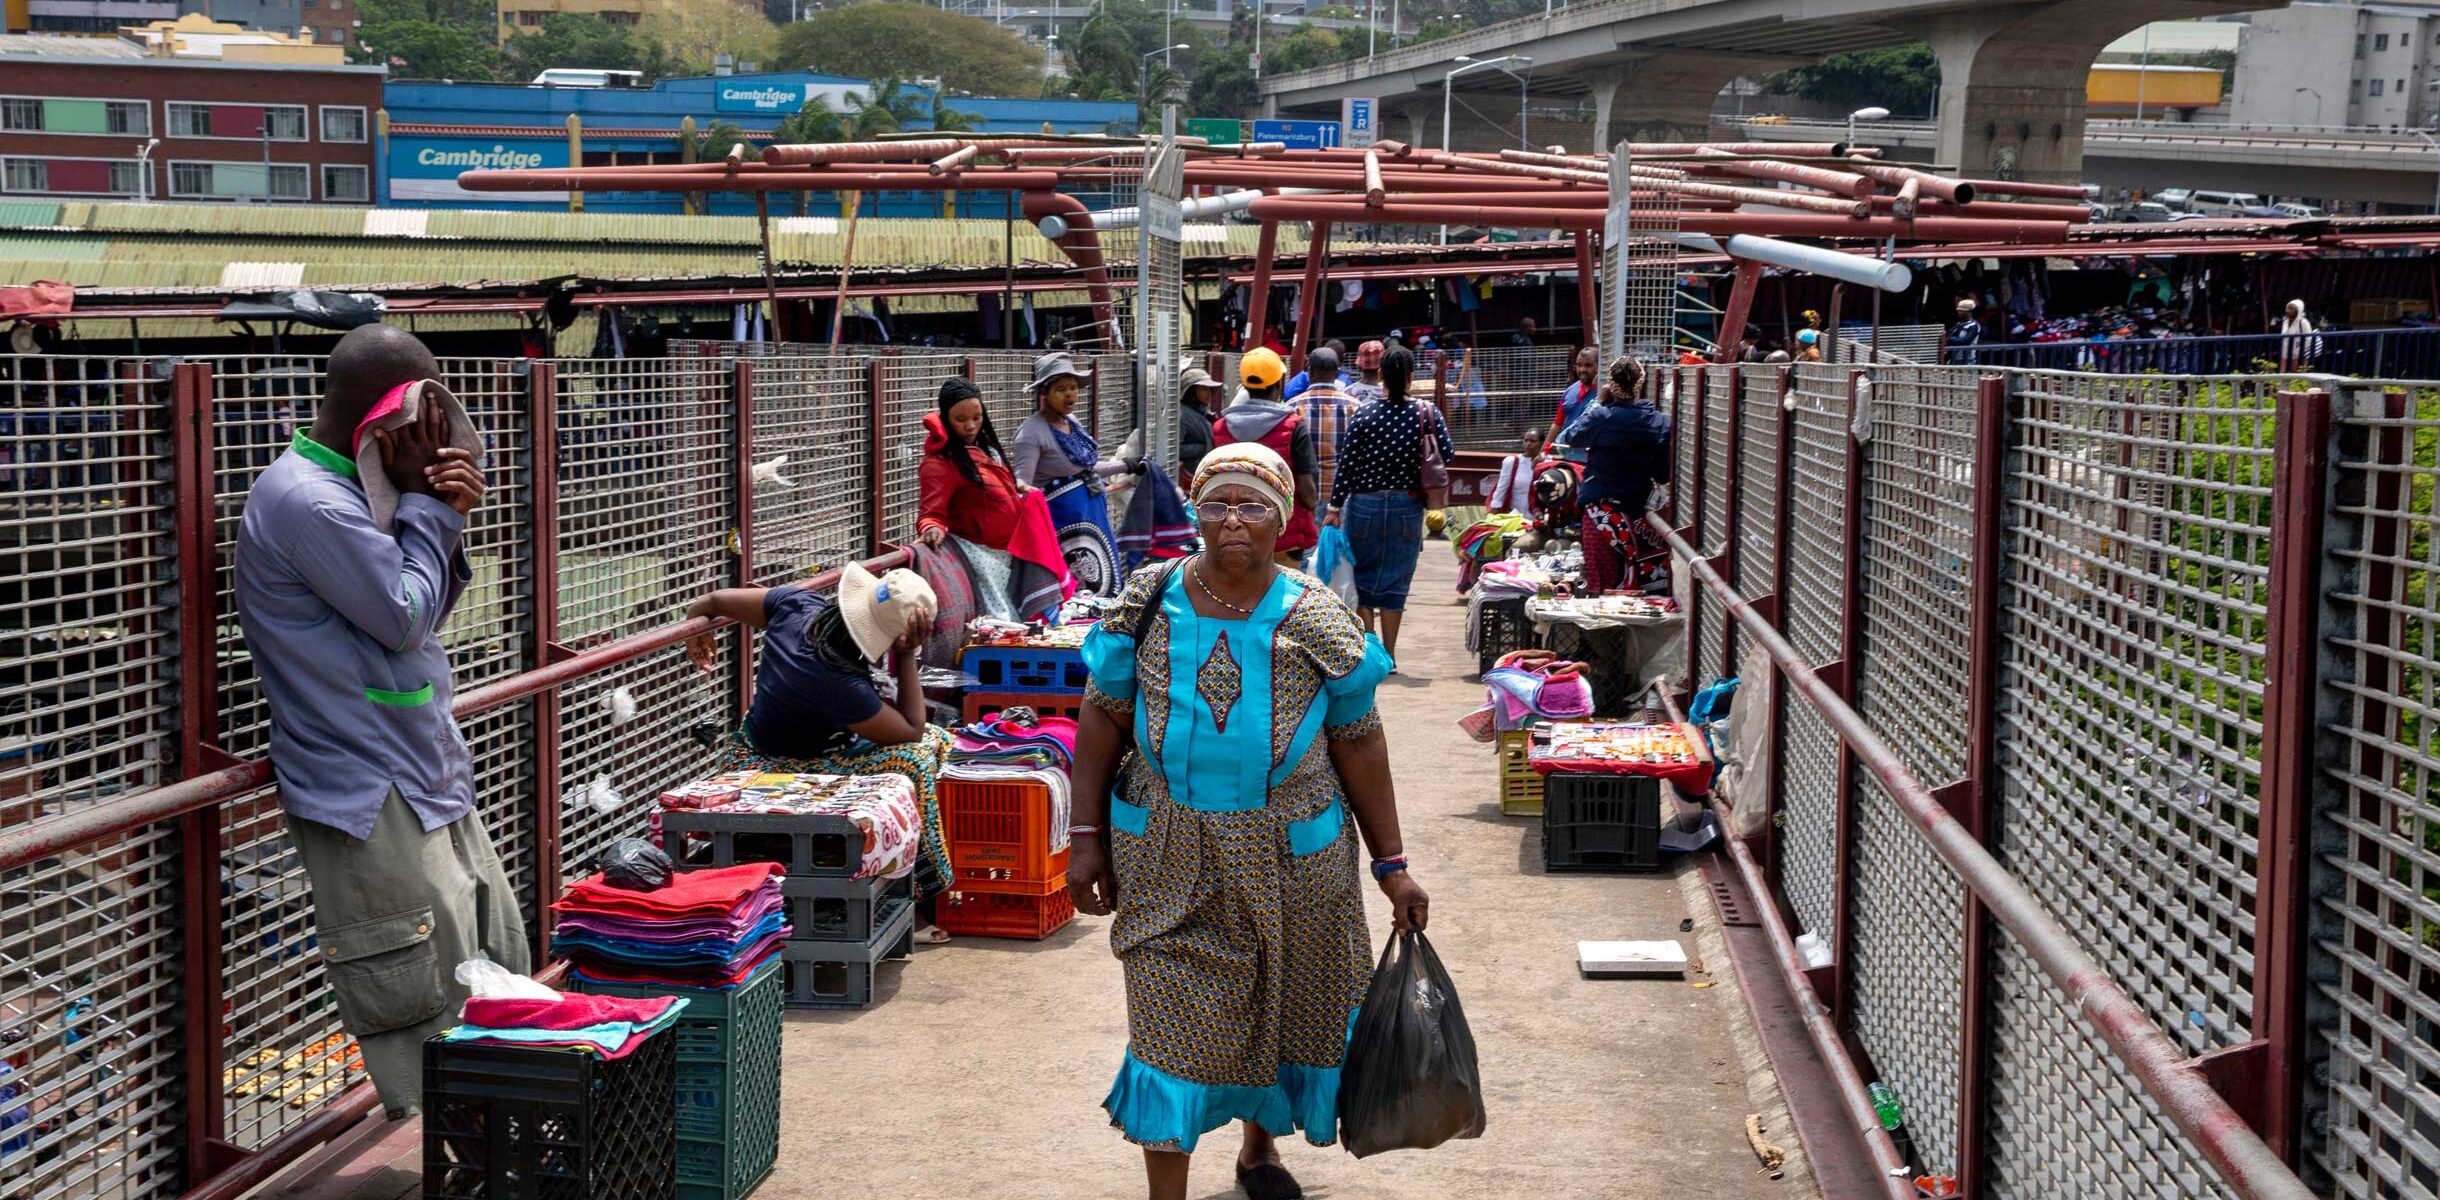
[(713, 893), (571, 1011)]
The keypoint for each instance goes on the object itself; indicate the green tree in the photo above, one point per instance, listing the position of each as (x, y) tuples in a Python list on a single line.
[(1223, 83), (419, 49), (714, 142), (1310, 46), (948, 120), (816, 123), (692, 33), (574, 40), (907, 40), (1902, 79), (890, 108)]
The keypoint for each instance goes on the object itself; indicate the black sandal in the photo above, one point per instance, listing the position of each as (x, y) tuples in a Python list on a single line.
[(1268, 1181)]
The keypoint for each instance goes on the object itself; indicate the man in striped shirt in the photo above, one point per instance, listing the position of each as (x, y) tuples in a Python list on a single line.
[(1327, 408)]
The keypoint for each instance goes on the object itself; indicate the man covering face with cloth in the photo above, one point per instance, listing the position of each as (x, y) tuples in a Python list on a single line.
[(350, 557)]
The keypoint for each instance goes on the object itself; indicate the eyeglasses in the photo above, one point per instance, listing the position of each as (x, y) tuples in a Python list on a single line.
[(1216, 512)]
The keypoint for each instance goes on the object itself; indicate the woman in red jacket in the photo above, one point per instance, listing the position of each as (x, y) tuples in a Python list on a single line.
[(967, 487)]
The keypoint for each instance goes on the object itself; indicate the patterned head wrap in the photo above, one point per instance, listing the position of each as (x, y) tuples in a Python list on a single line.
[(1247, 465), (1626, 379)]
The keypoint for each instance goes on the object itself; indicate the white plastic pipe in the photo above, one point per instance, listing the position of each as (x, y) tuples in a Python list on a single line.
[(1797, 256), (1055, 227)]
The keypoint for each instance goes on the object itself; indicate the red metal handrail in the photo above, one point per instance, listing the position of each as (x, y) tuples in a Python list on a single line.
[(52, 835), (2160, 1067)]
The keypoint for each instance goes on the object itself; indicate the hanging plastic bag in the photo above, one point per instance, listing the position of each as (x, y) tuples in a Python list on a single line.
[(1334, 563), (488, 980), (1410, 1081)]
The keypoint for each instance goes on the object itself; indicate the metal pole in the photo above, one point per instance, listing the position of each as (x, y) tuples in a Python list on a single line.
[(2142, 70), (542, 528), (1974, 798), (199, 832)]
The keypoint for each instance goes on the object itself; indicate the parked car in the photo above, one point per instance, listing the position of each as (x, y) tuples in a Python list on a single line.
[(2266, 212), (2174, 199), (2221, 204), (2151, 212), (2302, 212)]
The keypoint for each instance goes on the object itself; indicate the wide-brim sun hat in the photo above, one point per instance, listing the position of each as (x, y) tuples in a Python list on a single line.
[(1195, 377), (1055, 364), (880, 609)]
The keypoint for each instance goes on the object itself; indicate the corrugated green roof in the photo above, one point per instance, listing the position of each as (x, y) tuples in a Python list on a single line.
[(109, 245)]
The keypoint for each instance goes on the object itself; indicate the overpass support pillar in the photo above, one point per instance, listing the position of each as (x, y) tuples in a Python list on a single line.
[(2012, 81), (1665, 98)]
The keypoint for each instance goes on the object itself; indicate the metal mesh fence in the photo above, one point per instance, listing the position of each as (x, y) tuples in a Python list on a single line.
[(2131, 732), (647, 495), (910, 388), (1758, 500), (1006, 380), (89, 938), (1912, 676), (1813, 612), (809, 418), (2379, 870), (2066, 1118), (1719, 440), (1497, 393)]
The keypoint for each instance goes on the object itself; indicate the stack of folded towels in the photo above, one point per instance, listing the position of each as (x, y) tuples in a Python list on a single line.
[(1016, 746), (606, 1025), (706, 929)]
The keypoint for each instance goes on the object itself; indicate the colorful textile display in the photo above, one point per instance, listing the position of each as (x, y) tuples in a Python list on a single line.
[(985, 632), (705, 929), (1041, 578), (1592, 612), (1550, 690), (1007, 749), (1669, 751), (884, 806), (1156, 525)]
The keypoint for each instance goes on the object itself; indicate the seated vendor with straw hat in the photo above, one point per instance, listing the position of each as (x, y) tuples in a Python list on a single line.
[(816, 710)]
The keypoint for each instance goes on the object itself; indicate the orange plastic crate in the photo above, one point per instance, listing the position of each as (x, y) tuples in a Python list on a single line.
[(1050, 704), (999, 837), (992, 914)]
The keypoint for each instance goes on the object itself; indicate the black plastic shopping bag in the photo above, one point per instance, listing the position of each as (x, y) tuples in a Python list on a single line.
[(1410, 1082)]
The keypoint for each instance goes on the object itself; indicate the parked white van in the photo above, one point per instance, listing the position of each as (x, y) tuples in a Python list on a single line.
[(2222, 204)]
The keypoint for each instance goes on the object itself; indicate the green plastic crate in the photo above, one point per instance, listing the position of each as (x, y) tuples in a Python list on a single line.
[(728, 1081)]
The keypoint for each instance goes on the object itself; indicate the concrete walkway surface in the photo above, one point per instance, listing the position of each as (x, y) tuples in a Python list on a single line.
[(979, 1075)]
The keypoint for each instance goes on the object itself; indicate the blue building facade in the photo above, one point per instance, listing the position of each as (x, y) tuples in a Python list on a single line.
[(433, 131)]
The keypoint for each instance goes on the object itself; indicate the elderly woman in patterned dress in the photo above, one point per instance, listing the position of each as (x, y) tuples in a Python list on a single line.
[(1229, 753)]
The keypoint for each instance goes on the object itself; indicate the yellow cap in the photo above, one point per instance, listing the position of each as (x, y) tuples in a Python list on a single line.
[(1261, 368)]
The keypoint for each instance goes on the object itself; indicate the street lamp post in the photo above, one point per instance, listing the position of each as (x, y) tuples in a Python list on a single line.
[(1050, 46), (1144, 63), (1875, 113), (2316, 104), (1448, 95), (144, 186)]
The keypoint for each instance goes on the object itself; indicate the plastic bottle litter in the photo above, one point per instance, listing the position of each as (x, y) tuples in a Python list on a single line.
[(1893, 1121)]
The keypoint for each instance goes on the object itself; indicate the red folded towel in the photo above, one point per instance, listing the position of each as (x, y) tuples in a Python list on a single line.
[(571, 1011), (713, 893)]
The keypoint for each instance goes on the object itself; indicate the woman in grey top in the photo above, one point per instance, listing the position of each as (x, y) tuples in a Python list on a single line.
[(1057, 454)]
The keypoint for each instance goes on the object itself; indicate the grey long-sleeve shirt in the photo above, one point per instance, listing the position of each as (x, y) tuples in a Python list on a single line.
[(1041, 462), (343, 622)]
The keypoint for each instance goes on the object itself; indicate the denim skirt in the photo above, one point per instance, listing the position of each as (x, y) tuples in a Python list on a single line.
[(1385, 533)]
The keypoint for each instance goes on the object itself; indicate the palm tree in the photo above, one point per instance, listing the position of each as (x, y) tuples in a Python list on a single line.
[(815, 123), (887, 110), (948, 120)]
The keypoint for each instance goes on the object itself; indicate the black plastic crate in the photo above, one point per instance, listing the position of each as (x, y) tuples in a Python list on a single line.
[(1501, 629), (840, 974), (805, 844), (512, 1123), (1606, 670), (728, 1082), (827, 908), (1600, 822)]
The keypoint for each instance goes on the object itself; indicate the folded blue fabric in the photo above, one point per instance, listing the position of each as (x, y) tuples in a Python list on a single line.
[(708, 952)]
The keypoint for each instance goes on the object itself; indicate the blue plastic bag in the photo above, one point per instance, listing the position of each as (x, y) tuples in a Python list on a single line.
[(1334, 563)]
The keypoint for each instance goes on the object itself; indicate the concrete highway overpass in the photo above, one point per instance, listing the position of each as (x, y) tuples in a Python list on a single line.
[(2388, 168), (2012, 73)]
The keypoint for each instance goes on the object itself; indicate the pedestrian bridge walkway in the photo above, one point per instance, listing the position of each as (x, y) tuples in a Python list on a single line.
[(980, 1071)]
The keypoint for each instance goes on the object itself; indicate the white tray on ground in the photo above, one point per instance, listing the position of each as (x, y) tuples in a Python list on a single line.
[(1628, 959)]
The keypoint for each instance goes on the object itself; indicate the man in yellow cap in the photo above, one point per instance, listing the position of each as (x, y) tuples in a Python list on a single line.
[(1258, 415)]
